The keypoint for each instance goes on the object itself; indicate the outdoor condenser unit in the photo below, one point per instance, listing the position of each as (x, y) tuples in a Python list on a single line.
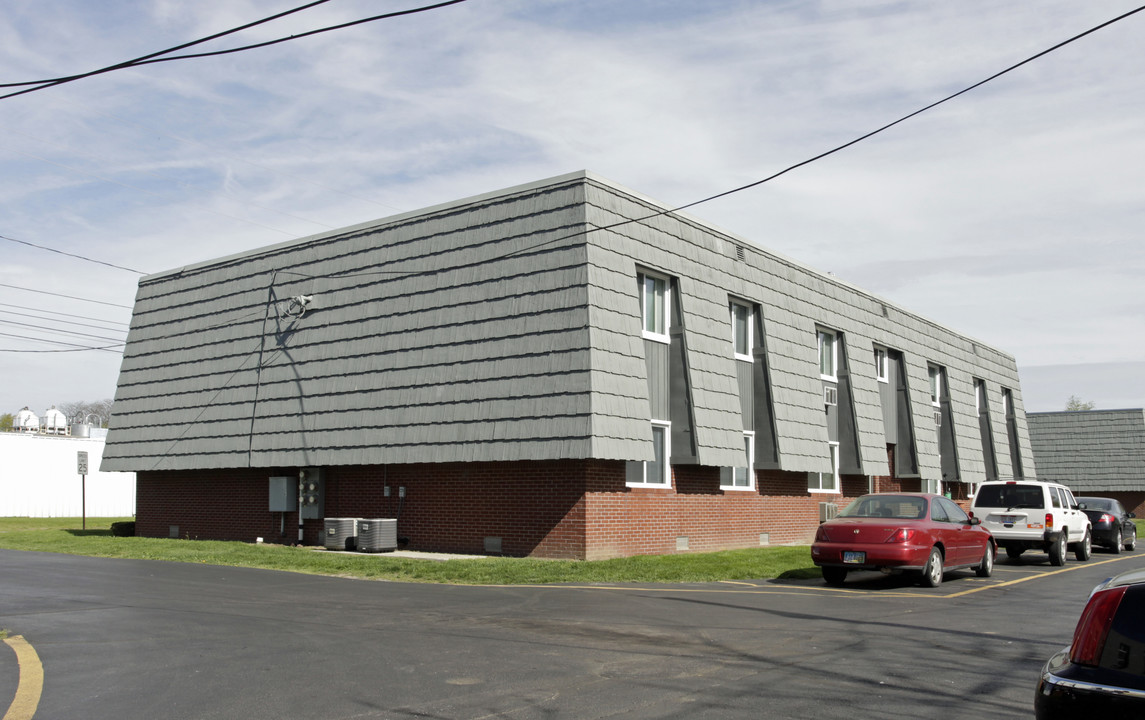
[(341, 533), (378, 535)]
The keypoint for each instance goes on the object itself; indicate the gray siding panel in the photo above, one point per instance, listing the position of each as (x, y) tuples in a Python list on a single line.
[(1096, 452), (497, 328)]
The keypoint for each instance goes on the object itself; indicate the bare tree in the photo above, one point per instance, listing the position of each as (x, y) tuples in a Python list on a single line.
[(1076, 404), (79, 410)]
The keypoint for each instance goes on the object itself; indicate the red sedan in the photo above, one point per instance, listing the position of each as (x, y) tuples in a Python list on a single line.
[(896, 532)]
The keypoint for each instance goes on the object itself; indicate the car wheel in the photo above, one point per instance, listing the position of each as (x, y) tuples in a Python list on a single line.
[(1057, 551), (1116, 546), (986, 567), (1084, 549), (1131, 543), (932, 573), (834, 575), (1014, 551)]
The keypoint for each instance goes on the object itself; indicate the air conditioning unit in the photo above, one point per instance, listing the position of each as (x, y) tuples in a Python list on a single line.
[(827, 511), (341, 533), (938, 418), (830, 395), (378, 535)]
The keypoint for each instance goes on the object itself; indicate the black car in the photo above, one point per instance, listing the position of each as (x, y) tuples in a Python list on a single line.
[(1102, 674), (1113, 527)]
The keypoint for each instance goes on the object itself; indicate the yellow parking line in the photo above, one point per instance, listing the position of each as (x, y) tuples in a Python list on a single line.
[(31, 683), (1033, 577)]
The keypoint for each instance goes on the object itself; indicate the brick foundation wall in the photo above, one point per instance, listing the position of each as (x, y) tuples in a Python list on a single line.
[(579, 509)]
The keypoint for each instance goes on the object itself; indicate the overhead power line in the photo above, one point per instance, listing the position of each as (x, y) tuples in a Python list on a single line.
[(74, 347), (80, 257), (70, 297), (157, 56), (71, 315)]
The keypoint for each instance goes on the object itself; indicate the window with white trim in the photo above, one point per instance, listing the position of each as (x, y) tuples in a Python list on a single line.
[(935, 385), (827, 481), (828, 354), (741, 331), (656, 472), (742, 477), (979, 397), (882, 368), (654, 299)]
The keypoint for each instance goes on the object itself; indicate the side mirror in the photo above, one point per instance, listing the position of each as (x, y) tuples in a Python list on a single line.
[(1132, 515), (975, 521)]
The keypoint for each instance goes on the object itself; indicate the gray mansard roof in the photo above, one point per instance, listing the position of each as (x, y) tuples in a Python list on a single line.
[(496, 328), (1096, 451)]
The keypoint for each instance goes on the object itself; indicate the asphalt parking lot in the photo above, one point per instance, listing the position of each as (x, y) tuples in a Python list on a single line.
[(128, 638)]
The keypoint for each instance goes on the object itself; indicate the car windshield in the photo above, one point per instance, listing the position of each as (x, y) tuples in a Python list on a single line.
[(1096, 503), (1010, 496), (903, 507)]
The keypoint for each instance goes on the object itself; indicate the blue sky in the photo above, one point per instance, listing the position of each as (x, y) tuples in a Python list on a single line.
[(1010, 214)]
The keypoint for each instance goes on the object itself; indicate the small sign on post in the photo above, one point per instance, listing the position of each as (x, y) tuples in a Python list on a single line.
[(81, 468)]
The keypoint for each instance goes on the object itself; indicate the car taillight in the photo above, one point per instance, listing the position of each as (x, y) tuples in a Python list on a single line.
[(821, 535), (1049, 521), (1093, 626), (901, 535), (1107, 518)]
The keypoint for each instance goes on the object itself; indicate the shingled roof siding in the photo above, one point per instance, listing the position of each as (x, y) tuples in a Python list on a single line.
[(1096, 451), (494, 328), (461, 334), (794, 300)]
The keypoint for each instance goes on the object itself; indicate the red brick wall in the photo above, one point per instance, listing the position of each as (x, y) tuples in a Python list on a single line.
[(556, 509)]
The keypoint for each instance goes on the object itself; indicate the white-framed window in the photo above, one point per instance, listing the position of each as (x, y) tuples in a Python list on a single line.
[(828, 354), (742, 477), (656, 472), (935, 385), (741, 331), (827, 481), (1007, 402), (979, 397), (882, 369), (654, 308)]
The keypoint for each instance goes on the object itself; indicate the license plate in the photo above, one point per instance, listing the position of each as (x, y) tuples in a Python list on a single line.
[(854, 558), (1009, 519)]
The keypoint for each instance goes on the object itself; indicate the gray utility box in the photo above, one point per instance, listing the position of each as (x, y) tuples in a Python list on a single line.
[(283, 494), (341, 533), (378, 535)]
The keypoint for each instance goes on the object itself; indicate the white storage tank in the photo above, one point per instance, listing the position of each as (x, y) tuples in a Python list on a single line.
[(27, 421), (54, 422)]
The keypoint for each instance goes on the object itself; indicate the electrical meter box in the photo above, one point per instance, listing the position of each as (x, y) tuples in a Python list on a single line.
[(312, 493), (283, 494)]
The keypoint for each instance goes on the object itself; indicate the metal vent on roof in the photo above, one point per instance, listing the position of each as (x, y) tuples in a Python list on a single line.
[(739, 252)]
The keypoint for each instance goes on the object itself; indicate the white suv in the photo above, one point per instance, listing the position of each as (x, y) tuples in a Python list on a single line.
[(1031, 515)]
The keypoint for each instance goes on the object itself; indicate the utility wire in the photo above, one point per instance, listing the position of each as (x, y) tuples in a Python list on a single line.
[(298, 36), (43, 84), (820, 156), (76, 348), (157, 56), (70, 297), (64, 322), (53, 312), (60, 331), (80, 257)]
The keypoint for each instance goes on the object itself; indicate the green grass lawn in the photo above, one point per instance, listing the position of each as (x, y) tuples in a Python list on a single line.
[(63, 535)]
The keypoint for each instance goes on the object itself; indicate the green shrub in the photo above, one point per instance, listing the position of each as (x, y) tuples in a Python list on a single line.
[(123, 529)]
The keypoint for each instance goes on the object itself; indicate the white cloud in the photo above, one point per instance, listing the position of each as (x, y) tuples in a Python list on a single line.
[(1009, 214)]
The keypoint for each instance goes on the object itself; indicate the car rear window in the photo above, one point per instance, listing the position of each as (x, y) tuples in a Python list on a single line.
[(903, 507), (1010, 496)]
